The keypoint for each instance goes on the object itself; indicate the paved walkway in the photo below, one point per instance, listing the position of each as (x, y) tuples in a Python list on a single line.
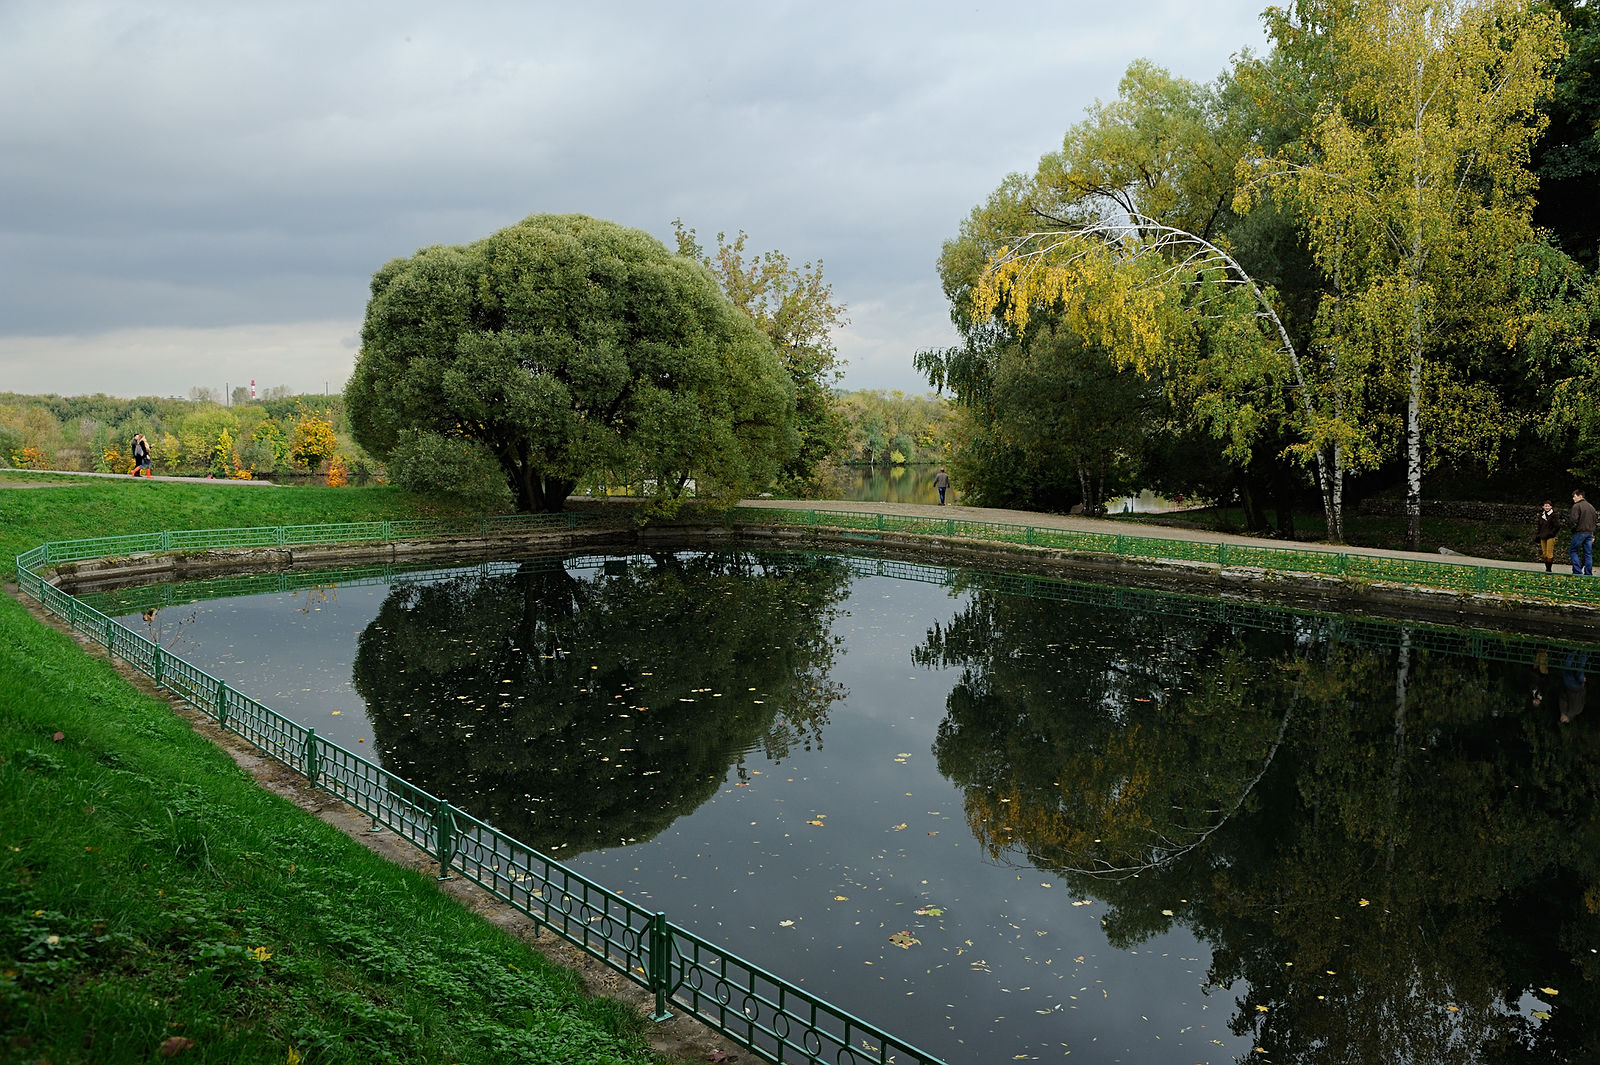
[(1133, 528), (8, 482)]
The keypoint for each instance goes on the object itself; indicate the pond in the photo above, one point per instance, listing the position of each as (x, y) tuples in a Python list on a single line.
[(891, 484), (1006, 818)]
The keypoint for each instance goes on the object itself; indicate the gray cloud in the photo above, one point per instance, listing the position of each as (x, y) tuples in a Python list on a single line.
[(200, 169)]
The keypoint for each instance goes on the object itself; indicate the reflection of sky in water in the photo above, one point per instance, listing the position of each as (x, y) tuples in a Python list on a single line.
[(290, 651), (1012, 965)]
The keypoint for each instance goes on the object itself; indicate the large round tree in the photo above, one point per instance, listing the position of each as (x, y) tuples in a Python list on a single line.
[(566, 345)]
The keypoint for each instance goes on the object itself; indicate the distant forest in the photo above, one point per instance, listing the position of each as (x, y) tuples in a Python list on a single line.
[(282, 433)]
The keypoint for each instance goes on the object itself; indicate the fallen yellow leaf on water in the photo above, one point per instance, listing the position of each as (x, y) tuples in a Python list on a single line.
[(1541, 1015), (1261, 1009), (1548, 991), (1453, 1009), (1364, 902)]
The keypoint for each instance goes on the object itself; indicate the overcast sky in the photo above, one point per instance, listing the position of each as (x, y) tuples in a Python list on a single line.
[(198, 193)]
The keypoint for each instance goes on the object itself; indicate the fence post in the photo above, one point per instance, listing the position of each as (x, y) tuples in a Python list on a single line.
[(313, 756), (444, 834), (1222, 555), (660, 975), (222, 704), (157, 661)]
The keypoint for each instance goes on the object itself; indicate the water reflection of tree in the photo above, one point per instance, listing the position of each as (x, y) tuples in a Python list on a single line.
[(1062, 731), (1422, 852), (582, 711)]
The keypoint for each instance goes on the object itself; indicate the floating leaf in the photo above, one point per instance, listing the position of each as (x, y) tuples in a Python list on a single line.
[(930, 911), (1167, 913), (816, 821), (1548, 991), (1541, 1015), (901, 827), (841, 898), (904, 940), (785, 924)]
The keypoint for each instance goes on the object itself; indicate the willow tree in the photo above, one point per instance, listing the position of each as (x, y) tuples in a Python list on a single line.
[(565, 345), (1415, 187), (1061, 253)]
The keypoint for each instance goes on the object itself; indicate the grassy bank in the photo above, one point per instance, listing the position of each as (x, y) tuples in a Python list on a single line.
[(155, 901)]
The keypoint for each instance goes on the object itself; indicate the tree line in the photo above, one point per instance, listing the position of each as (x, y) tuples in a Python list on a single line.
[(1360, 263), (288, 434)]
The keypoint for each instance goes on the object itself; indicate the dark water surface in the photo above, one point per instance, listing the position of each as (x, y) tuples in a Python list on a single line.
[(1004, 818)]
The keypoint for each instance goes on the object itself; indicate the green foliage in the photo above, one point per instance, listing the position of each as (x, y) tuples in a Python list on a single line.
[(567, 345), (452, 466), (878, 423), (795, 308), (1567, 156), (1417, 175)]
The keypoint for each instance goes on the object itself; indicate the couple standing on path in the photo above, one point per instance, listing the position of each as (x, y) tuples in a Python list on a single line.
[(1583, 529)]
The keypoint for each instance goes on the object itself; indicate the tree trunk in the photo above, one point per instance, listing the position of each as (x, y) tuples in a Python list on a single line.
[(1414, 454)]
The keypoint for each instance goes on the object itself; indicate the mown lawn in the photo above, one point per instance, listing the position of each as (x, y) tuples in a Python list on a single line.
[(155, 902)]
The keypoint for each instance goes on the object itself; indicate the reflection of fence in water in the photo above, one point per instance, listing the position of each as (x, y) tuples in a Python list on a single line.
[(1291, 622)]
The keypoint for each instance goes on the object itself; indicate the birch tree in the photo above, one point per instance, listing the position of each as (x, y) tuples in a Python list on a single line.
[(1416, 185)]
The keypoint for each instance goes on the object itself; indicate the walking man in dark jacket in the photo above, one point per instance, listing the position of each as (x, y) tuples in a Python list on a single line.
[(1582, 535)]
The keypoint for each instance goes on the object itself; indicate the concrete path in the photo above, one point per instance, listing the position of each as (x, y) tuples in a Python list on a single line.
[(1127, 527), (8, 482)]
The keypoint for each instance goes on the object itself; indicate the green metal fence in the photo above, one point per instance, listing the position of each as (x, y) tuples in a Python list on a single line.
[(1474, 577), (756, 1008)]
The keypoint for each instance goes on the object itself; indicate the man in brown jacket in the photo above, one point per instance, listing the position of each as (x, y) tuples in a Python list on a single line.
[(1582, 534)]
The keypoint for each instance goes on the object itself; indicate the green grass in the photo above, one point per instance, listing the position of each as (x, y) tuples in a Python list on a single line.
[(150, 891), (99, 507)]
